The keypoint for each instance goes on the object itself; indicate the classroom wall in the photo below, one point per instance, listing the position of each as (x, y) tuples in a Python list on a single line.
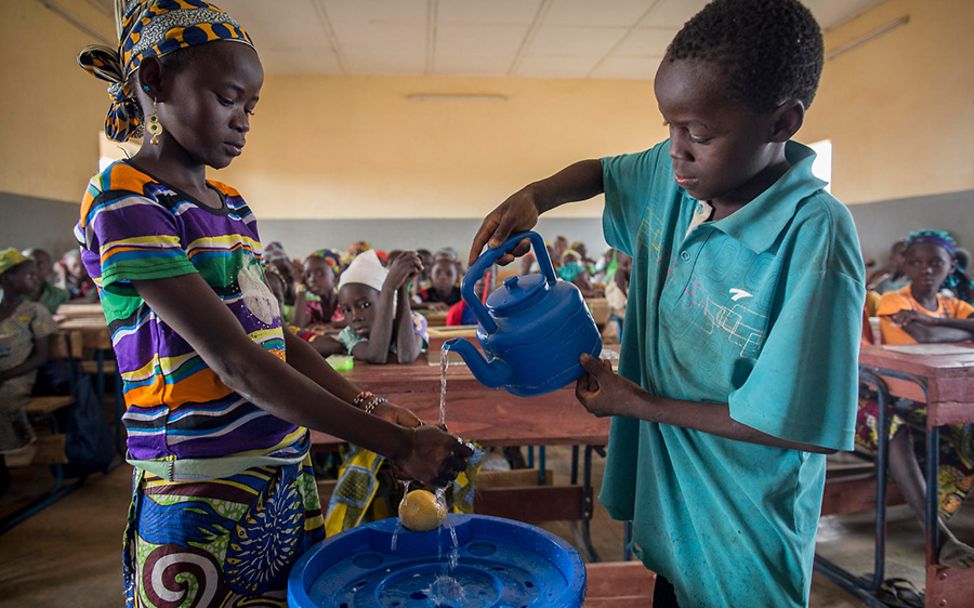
[(341, 158), (899, 109)]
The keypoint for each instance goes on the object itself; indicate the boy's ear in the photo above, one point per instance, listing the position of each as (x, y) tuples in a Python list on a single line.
[(786, 120)]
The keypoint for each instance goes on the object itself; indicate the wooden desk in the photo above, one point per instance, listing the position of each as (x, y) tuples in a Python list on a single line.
[(942, 376), (81, 310), (496, 418)]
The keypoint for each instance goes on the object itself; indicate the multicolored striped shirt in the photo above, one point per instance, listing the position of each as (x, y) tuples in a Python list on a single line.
[(135, 228)]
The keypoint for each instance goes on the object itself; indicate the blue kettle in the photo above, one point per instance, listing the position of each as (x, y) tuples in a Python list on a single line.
[(532, 330)]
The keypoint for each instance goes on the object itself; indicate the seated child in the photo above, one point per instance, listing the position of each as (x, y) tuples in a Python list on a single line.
[(375, 303), (460, 313), (958, 283), (288, 269), (24, 328), (46, 293), (890, 276), (317, 296), (918, 314), (443, 292), (573, 270), (74, 278)]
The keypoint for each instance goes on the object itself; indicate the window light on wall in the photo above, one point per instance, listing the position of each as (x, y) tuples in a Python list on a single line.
[(822, 167)]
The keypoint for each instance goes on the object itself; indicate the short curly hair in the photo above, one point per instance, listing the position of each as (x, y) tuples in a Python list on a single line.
[(772, 49)]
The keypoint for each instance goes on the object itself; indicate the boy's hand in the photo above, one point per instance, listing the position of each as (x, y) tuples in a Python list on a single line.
[(433, 457), (407, 265), (602, 391), (517, 214)]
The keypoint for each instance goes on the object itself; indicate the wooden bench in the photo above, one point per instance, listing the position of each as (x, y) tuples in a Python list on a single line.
[(47, 450), (619, 585), (45, 406), (852, 489)]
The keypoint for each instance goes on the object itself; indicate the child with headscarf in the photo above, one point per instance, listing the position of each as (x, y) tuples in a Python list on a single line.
[(317, 295), (915, 314), (50, 296), (375, 303), (219, 395), (24, 328)]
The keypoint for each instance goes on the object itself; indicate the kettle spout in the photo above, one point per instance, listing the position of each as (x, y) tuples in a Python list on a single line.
[(494, 374)]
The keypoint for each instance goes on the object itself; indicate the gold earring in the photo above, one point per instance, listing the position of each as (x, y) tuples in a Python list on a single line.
[(153, 126)]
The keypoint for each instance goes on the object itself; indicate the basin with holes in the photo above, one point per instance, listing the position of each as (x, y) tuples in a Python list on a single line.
[(500, 563)]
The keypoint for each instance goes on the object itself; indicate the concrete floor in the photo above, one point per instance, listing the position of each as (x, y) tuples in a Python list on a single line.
[(69, 555)]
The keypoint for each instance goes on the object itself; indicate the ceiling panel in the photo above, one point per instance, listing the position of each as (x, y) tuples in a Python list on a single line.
[(674, 13), (295, 25), (627, 68), (501, 12), (646, 42), (556, 38), (575, 41), (624, 13)]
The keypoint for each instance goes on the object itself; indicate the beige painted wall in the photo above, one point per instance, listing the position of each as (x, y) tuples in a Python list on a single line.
[(899, 112), (357, 147), (50, 110), (900, 109)]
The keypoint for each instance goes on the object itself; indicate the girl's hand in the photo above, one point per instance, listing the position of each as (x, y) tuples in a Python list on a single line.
[(397, 415), (602, 391), (517, 214), (906, 317), (407, 265), (433, 457)]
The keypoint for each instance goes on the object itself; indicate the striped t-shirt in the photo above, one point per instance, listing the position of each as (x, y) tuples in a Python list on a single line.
[(133, 227)]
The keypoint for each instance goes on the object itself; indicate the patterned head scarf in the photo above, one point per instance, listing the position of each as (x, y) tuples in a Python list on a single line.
[(941, 238), (11, 258), (355, 250), (274, 252), (332, 260), (151, 28)]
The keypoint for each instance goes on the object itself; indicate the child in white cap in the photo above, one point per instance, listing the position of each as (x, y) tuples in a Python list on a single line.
[(375, 302)]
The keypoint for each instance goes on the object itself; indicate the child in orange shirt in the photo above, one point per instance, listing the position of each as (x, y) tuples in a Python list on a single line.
[(916, 314)]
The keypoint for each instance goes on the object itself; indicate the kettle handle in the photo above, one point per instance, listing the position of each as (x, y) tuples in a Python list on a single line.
[(487, 259)]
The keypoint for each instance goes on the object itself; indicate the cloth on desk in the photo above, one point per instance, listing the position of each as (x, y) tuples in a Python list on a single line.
[(367, 491)]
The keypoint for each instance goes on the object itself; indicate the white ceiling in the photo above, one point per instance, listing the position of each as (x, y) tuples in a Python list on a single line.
[(520, 38)]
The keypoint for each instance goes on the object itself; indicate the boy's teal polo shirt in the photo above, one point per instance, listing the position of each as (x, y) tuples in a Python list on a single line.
[(760, 310)]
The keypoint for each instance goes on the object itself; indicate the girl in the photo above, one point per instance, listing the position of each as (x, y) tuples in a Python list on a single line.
[(45, 292), (218, 396), (915, 314), (24, 328), (375, 302), (317, 296)]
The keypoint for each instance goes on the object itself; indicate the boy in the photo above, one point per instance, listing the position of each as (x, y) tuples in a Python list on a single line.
[(739, 347)]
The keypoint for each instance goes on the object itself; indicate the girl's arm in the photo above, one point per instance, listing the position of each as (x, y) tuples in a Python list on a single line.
[(190, 307), (927, 330), (604, 393), (301, 316), (408, 344), (37, 358)]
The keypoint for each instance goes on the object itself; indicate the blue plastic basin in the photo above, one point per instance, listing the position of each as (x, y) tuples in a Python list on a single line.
[(499, 563)]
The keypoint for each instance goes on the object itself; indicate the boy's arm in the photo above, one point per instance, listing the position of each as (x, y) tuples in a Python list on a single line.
[(604, 393), (408, 344), (577, 182)]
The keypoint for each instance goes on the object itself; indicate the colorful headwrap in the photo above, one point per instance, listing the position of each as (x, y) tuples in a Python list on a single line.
[(332, 260), (151, 28), (355, 250), (274, 252), (9, 258), (940, 238)]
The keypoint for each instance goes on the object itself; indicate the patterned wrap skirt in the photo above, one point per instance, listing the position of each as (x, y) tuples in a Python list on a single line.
[(223, 542)]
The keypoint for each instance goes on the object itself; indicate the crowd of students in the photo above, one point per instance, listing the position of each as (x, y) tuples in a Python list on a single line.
[(373, 305)]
